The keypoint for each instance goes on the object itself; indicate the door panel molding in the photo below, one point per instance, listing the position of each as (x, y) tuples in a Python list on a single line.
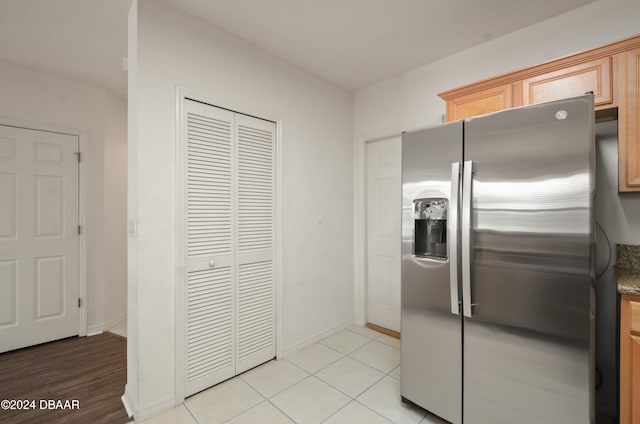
[(383, 174), (359, 209), (81, 201)]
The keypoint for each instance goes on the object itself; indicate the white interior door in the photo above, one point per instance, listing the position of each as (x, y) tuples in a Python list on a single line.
[(229, 244), (255, 292), (38, 237), (210, 273), (383, 217)]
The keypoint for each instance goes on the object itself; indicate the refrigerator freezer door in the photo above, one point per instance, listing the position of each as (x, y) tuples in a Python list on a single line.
[(431, 334), (527, 345)]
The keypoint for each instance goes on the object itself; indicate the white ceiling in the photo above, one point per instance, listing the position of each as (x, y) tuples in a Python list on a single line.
[(353, 43), (350, 43)]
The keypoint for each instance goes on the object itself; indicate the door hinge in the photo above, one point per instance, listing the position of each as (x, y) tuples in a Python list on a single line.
[(79, 302), (79, 229), (79, 155)]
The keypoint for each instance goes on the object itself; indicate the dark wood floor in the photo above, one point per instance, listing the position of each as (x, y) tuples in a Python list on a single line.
[(92, 370)]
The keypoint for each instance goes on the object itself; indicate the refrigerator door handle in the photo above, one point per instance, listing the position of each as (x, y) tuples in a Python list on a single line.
[(467, 186), (452, 237)]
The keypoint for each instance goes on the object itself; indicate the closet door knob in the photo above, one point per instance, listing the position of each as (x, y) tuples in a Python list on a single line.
[(212, 263)]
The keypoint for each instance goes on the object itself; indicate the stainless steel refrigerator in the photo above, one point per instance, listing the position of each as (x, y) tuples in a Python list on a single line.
[(498, 302)]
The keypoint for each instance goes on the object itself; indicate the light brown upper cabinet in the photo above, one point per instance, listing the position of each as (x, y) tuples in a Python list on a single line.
[(481, 102), (593, 76), (611, 72), (629, 122)]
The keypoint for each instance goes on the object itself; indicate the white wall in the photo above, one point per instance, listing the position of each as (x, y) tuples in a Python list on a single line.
[(38, 97), (410, 99), (130, 397), (115, 210), (316, 167)]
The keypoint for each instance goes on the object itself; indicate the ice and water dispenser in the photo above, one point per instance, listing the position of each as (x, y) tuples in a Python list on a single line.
[(430, 228)]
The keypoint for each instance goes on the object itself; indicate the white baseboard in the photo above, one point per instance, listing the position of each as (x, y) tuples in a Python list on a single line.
[(152, 409), (99, 328), (127, 402), (308, 341)]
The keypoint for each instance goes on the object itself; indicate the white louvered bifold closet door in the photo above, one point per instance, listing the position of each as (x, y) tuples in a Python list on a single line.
[(210, 274), (230, 256), (255, 295)]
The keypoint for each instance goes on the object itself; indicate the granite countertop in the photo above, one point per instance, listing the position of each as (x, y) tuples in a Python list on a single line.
[(628, 269), (628, 280)]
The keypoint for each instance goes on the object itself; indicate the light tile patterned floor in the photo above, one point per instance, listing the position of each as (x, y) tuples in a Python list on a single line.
[(350, 377)]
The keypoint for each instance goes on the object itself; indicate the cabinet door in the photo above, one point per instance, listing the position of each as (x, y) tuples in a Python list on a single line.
[(630, 359), (634, 396), (629, 122), (481, 102), (594, 75)]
